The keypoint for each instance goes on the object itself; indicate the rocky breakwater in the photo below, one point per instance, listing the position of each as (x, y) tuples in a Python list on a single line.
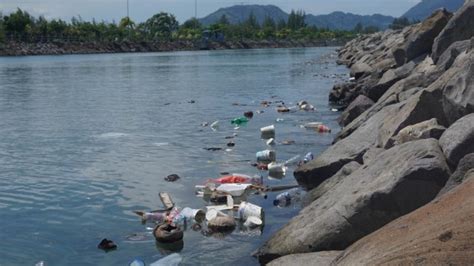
[(396, 186)]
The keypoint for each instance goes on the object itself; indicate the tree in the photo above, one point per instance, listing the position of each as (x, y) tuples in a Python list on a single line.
[(358, 28), (192, 23), (399, 23), (268, 27), (296, 20), (17, 22), (161, 25), (252, 22), (224, 20), (281, 24)]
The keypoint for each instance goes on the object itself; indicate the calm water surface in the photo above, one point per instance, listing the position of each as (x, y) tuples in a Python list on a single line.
[(87, 139)]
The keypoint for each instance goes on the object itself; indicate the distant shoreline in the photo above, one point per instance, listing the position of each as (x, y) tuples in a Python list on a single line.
[(64, 48)]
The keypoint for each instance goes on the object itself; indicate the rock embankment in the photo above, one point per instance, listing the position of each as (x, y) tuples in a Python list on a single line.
[(61, 47), (396, 186)]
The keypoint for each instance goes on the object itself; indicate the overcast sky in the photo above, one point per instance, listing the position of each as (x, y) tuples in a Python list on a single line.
[(140, 10)]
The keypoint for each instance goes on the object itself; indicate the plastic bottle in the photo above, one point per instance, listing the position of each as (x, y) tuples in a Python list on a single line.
[(308, 157), (239, 120), (287, 197)]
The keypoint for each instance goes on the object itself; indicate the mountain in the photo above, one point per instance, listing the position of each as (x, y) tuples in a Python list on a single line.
[(335, 20), (347, 21), (240, 13), (426, 7)]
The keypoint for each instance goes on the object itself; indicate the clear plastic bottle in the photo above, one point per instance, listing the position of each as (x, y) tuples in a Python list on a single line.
[(308, 157), (286, 198)]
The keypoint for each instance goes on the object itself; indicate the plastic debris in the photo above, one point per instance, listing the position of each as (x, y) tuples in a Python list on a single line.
[(231, 144), (286, 198), (288, 142), (311, 125), (276, 170), (168, 233), (248, 114), (170, 260), (235, 179), (253, 222), (322, 129), (283, 109), (239, 121), (215, 125), (137, 262), (271, 142), (151, 216), (247, 209), (267, 132), (107, 245), (280, 120), (235, 190), (166, 200), (266, 156), (172, 178), (213, 149)]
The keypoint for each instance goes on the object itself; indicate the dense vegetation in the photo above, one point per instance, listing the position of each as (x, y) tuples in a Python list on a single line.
[(21, 26)]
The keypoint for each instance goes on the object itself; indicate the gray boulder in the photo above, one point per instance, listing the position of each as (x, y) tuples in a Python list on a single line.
[(446, 60), (465, 164), (359, 69), (439, 233), (458, 139), (371, 155), (352, 148), (458, 93), (322, 258), (388, 79), (356, 108), (424, 130), (330, 183), (459, 28), (420, 40), (401, 180)]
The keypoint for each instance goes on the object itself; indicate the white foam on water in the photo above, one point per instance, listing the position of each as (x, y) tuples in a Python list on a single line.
[(112, 135)]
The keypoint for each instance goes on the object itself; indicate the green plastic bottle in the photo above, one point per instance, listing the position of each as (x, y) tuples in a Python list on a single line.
[(239, 120)]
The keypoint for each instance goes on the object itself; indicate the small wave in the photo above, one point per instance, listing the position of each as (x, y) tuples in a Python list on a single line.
[(112, 135), (159, 144)]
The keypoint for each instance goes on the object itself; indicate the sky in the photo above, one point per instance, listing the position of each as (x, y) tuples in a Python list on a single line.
[(140, 10)]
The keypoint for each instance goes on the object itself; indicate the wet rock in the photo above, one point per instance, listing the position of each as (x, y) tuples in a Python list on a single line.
[(439, 233), (459, 28), (458, 139), (420, 39), (356, 108), (318, 258), (401, 180)]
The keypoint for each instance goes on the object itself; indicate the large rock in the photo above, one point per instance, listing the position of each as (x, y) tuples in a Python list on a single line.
[(459, 28), (448, 57), (360, 69), (440, 233), (356, 108), (420, 40), (423, 75), (458, 94), (330, 183), (465, 164), (424, 130), (342, 91), (401, 180), (458, 139), (352, 148), (318, 258), (422, 106), (388, 79)]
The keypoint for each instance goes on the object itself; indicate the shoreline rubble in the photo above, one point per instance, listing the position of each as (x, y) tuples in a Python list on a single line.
[(385, 192)]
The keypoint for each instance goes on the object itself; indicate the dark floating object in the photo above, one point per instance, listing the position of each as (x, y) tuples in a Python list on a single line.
[(248, 114), (230, 144), (213, 149), (172, 178), (192, 101), (229, 137), (168, 233), (107, 245)]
